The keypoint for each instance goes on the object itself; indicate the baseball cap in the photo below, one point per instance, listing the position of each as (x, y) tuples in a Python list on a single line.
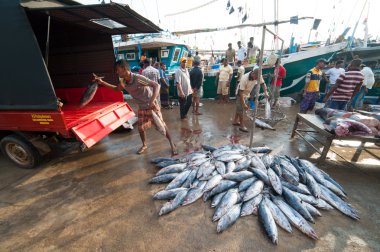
[(182, 59), (322, 60)]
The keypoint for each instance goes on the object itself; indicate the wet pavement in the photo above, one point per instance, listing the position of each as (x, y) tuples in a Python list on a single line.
[(99, 200)]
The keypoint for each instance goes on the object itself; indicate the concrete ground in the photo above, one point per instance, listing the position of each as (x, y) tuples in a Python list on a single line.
[(99, 200)]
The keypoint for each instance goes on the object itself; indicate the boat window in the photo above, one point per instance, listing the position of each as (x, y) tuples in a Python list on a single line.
[(184, 54), (120, 56), (109, 23), (131, 56), (176, 54), (164, 53)]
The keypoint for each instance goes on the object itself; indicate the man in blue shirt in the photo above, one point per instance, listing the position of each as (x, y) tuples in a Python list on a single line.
[(164, 91)]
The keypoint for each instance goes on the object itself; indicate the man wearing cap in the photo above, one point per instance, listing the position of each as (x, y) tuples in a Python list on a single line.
[(182, 80), (196, 81), (248, 82), (145, 92), (311, 90), (224, 79), (347, 85)]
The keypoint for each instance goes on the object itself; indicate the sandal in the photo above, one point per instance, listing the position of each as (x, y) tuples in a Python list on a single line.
[(236, 124), (142, 149), (244, 129)]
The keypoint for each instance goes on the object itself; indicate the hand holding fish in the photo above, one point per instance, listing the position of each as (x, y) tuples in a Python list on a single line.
[(97, 79)]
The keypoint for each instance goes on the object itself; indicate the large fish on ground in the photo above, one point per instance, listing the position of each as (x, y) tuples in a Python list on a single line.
[(268, 222), (229, 218), (171, 205)]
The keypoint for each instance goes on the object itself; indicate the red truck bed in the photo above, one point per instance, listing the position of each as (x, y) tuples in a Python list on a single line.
[(106, 112)]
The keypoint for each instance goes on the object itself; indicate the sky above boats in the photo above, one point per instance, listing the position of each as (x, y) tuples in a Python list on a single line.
[(336, 15)]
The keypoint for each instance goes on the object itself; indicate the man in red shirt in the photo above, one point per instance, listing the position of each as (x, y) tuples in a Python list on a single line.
[(279, 74)]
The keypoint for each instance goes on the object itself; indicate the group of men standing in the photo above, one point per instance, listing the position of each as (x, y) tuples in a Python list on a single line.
[(245, 55), (346, 87)]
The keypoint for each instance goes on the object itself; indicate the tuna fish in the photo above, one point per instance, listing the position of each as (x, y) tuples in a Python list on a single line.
[(88, 94), (267, 221)]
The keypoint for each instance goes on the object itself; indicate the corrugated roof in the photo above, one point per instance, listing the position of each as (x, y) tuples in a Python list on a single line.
[(83, 14)]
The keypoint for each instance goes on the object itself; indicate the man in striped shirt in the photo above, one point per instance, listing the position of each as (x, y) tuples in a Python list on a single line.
[(347, 85)]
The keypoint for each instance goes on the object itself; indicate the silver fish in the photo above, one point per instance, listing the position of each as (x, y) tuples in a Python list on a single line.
[(163, 178), (279, 216), (338, 203), (224, 185), (178, 181), (257, 163), (230, 199), (230, 166), (275, 181), (295, 218), (255, 189), (313, 186), (194, 194), (228, 158), (296, 203), (263, 125), (190, 179), (268, 222), (246, 183), (214, 181), (216, 199), (168, 194), (250, 207), (264, 149), (220, 167), (311, 209), (238, 176), (175, 168), (172, 205), (262, 175), (229, 218)]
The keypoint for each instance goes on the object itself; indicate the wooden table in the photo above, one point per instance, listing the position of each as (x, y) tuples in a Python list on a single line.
[(316, 125)]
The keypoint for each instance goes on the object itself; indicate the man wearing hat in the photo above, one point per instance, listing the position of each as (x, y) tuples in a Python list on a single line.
[(311, 90), (346, 86), (182, 79)]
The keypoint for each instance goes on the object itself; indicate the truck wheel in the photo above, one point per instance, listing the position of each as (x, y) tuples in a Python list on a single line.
[(20, 151)]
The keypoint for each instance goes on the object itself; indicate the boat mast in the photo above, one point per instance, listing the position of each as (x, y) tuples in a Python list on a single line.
[(356, 25)]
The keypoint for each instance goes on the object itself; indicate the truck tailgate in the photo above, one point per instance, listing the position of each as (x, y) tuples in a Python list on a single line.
[(95, 126)]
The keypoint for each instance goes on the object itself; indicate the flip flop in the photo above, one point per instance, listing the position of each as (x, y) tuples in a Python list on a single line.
[(243, 129), (236, 124), (142, 150)]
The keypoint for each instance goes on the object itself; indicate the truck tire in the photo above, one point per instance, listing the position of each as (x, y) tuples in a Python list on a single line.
[(20, 151)]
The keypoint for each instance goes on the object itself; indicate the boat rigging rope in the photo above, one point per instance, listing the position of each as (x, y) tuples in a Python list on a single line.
[(191, 9)]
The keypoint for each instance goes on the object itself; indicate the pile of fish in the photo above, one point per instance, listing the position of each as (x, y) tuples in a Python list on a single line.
[(241, 181)]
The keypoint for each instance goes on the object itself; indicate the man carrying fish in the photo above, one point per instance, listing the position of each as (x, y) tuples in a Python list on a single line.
[(145, 92), (248, 82)]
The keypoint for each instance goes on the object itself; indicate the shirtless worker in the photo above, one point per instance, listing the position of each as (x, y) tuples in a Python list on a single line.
[(145, 92)]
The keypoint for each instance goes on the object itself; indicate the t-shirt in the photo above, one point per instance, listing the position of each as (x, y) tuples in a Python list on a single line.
[(196, 78), (241, 71), (230, 54), (333, 74), (152, 74), (189, 63), (246, 85), (163, 75), (315, 76), (251, 52), (225, 72), (241, 53), (281, 73), (182, 77), (350, 80), (369, 77), (197, 58), (138, 87)]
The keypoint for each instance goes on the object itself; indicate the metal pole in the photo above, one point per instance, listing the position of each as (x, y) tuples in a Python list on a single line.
[(258, 88), (47, 43)]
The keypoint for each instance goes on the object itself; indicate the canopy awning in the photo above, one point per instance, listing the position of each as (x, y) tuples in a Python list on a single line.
[(109, 18)]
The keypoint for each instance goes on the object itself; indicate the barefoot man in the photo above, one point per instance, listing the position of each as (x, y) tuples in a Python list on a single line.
[(145, 92)]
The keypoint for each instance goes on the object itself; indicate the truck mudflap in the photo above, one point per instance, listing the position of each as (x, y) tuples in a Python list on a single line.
[(93, 130)]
